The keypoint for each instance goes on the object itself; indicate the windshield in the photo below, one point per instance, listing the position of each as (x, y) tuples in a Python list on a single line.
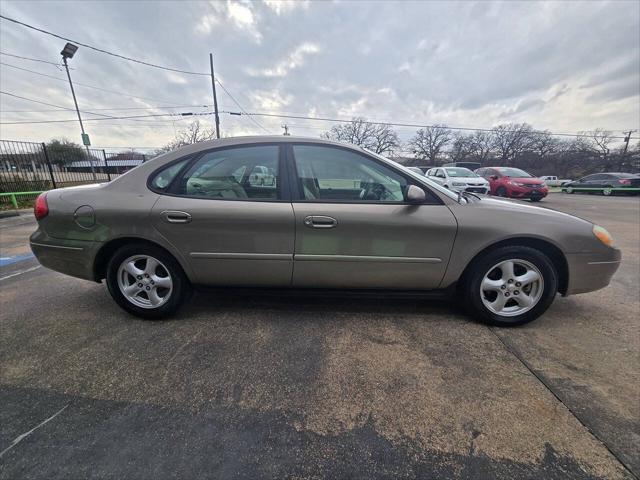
[(460, 172), (513, 172), (436, 186)]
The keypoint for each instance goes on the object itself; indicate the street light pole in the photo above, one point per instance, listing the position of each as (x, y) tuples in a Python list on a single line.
[(68, 52)]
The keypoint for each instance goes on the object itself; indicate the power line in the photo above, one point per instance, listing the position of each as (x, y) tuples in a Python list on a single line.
[(111, 109), (18, 22), (30, 59), (107, 118), (82, 84), (240, 106), (396, 124), (83, 111)]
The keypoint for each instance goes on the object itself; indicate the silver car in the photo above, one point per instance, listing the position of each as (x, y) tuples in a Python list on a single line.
[(335, 217)]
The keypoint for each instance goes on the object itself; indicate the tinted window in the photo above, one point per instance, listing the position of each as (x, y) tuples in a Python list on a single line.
[(326, 173), (164, 177), (233, 174)]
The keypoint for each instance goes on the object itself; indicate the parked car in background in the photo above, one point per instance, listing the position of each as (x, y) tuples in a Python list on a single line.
[(339, 217), (514, 183), (470, 165), (415, 169), (553, 181), (261, 175), (458, 178), (606, 184)]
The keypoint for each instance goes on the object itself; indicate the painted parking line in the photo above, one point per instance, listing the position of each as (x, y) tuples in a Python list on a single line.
[(20, 272), (4, 261)]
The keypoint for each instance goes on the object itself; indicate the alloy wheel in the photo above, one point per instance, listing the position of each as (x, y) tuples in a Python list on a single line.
[(511, 287), (145, 281)]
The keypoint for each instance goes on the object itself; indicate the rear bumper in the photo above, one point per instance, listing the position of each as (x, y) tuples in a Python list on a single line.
[(71, 257), (590, 272)]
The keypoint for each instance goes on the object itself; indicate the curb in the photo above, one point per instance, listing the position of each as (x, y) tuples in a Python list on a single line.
[(10, 213)]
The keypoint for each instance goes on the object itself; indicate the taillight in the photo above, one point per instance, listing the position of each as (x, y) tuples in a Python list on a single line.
[(40, 208), (624, 181)]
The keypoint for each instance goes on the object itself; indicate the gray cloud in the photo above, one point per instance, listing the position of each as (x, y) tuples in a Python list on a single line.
[(556, 65)]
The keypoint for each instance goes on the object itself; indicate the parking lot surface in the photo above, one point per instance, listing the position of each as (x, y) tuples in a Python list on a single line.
[(246, 385)]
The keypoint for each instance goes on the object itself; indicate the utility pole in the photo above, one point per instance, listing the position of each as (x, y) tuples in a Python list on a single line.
[(215, 98), (626, 141), (67, 52), (286, 129)]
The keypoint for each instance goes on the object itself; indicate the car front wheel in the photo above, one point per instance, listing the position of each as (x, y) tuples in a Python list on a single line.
[(510, 286), (146, 281)]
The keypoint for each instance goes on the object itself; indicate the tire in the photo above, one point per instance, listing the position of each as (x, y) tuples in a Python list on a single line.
[(172, 293), (540, 293), (535, 199), (607, 191), (569, 190), (501, 192)]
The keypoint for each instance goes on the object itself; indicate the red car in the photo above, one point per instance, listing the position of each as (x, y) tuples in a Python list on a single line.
[(513, 183)]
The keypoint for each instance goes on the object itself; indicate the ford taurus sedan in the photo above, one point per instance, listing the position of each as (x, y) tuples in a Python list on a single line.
[(335, 217)]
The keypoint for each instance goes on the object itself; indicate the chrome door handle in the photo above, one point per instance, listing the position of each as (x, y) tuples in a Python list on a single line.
[(175, 216), (320, 221)]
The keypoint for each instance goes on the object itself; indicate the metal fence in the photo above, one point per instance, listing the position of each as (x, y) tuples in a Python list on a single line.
[(32, 167)]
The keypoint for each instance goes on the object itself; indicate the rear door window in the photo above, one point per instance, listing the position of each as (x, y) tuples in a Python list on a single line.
[(244, 173)]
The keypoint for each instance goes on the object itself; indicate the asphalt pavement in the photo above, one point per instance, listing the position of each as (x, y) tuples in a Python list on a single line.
[(245, 385)]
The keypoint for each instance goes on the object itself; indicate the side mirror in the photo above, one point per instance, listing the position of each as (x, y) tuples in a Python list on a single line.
[(493, 177), (415, 194)]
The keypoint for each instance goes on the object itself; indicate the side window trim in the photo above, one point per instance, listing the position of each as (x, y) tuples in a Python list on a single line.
[(296, 194)]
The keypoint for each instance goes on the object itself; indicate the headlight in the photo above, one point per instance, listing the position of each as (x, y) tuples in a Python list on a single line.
[(602, 235), (458, 184)]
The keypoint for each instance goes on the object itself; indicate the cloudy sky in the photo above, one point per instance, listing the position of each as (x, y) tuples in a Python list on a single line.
[(562, 66)]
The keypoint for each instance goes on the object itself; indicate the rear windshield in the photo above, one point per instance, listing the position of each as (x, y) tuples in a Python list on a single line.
[(513, 172)]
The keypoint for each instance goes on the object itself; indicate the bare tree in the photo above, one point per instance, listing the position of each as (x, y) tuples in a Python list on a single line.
[(481, 146), (377, 137), (194, 133), (461, 147), (544, 144), (601, 139), (511, 140), (429, 142)]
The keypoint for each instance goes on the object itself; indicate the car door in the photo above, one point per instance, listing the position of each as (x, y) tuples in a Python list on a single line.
[(232, 228), (354, 228)]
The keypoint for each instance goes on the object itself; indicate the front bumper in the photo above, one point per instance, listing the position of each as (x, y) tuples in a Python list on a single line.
[(484, 189), (520, 192), (71, 257), (589, 272)]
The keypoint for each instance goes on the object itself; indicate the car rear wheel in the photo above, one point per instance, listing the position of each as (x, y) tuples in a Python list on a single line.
[(510, 286), (146, 281)]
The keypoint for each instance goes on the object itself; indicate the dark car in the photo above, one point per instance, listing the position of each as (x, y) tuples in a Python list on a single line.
[(605, 183), (514, 183)]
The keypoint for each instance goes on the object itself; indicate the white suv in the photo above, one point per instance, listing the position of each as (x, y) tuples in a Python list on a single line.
[(458, 178)]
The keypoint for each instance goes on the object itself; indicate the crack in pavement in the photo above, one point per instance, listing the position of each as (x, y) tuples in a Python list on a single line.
[(514, 351)]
